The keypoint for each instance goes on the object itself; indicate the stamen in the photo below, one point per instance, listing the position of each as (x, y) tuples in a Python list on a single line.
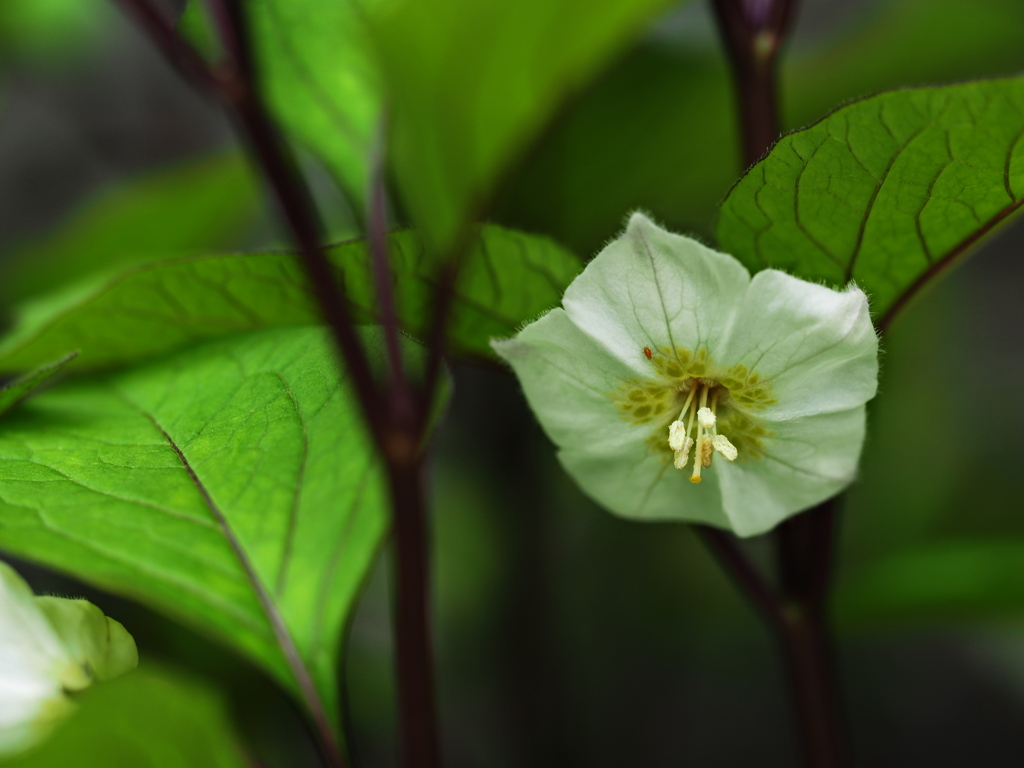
[(706, 418), (686, 405), (723, 446), (697, 460), (677, 435), (707, 451), (683, 454), (708, 441)]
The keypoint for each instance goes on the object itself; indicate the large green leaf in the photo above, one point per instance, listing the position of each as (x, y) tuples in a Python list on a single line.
[(472, 82), (507, 279), (155, 717), (231, 485), (887, 191), (196, 208)]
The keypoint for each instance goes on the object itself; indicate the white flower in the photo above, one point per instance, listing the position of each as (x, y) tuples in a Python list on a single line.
[(667, 352), (50, 647)]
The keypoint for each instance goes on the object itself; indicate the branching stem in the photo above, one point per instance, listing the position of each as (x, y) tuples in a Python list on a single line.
[(753, 32), (396, 418)]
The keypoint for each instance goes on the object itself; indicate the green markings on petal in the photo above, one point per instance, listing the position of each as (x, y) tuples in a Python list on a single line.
[(747, 388), (745, 433), (658, 402)]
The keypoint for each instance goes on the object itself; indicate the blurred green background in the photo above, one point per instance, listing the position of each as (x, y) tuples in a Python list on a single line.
[(566, 636)]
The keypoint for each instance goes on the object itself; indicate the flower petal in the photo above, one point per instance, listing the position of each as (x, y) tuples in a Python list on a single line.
[(639, 484), (806, 461), (816, 345), (569, 379), (28, 644), (651, 287)]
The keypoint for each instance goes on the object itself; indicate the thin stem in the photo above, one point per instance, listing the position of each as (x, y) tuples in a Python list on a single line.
[(394, 422), (378, 240), (804, 551), (180, 55), (808, 655), (734, 561), (753, 32), (241, 97), (296, 206), (416, 708), (438, 340)]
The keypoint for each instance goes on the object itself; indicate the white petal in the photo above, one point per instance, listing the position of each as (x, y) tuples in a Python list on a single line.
[(807, 461), (653, 288), (569, 379), (28, 643), (817, 346), (644, 486)]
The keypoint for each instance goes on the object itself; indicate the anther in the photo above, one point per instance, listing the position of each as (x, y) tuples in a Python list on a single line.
[(706, 418), (723, 446), (676, 435)]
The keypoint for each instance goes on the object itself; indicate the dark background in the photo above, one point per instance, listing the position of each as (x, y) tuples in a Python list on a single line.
[(566, 636)]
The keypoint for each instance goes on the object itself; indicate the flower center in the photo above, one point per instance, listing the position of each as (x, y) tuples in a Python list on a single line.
[(701, 405), (686, 385)]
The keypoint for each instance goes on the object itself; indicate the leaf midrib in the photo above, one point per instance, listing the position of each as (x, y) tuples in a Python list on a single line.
[(286, 644)]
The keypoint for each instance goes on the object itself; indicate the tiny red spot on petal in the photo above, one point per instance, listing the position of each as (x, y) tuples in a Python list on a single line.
[(647, 351)]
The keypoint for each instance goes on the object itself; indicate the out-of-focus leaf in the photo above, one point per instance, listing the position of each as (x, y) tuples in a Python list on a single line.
[(16, 391), (632, 140), (507, 279), (940, 581), (197, 208), (48, 30), (472, 82), (319, 77), (155, 717), (887, 191), (231, 485)]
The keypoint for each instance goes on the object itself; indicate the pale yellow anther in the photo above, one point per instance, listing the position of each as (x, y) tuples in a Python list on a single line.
[(723, 446), (707, 451), (706, 418), (681, 457), (676, 435)]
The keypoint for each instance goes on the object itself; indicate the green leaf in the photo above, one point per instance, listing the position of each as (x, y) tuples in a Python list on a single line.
[(16, 391), (196, 208), (589, 170), (319, 77), (472, 82), (155, 717), (887, 191), (507, 279), (48, 30), (936, 582), (231, 485)]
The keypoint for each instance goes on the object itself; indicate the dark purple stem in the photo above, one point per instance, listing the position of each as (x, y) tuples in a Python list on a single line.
[(378, 240), (394, 420), (731, 557), (804, 551), (754, 32), (417, 714)]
